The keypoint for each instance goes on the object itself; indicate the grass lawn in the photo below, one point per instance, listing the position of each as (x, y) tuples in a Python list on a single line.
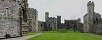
[(53, 35)]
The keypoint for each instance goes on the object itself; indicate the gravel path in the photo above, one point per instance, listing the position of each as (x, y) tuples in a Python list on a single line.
[(23, 38)]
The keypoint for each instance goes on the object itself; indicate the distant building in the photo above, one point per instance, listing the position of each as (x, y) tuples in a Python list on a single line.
[(70, 23)]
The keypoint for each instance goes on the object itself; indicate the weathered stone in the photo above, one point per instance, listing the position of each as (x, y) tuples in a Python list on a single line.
[(92, 20), (23, 16), (9, 18), (32, 17)]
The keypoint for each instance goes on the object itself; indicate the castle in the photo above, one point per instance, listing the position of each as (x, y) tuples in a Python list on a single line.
[(16, 17)]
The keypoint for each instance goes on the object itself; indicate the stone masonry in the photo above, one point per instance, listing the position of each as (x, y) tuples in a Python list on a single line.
[(92, 20), (32, 17), (9, 17)]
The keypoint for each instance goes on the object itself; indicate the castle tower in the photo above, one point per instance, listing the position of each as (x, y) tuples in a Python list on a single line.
[(47, 20), (88, 18), (90, 6), (59, 22)]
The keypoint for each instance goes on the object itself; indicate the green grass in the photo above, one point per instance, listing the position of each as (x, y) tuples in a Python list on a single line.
[(69, 35)]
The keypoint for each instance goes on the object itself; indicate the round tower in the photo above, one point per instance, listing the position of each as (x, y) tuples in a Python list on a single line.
[(90, 11)]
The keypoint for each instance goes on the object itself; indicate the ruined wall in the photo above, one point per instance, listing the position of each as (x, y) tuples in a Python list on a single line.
[(32, 18)]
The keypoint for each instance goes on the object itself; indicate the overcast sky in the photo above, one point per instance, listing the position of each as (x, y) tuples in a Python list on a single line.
[(67, 9)]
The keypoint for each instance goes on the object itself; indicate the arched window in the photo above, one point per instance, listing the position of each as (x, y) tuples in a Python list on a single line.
[(49, 24), (41, 24), (96, 19)]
